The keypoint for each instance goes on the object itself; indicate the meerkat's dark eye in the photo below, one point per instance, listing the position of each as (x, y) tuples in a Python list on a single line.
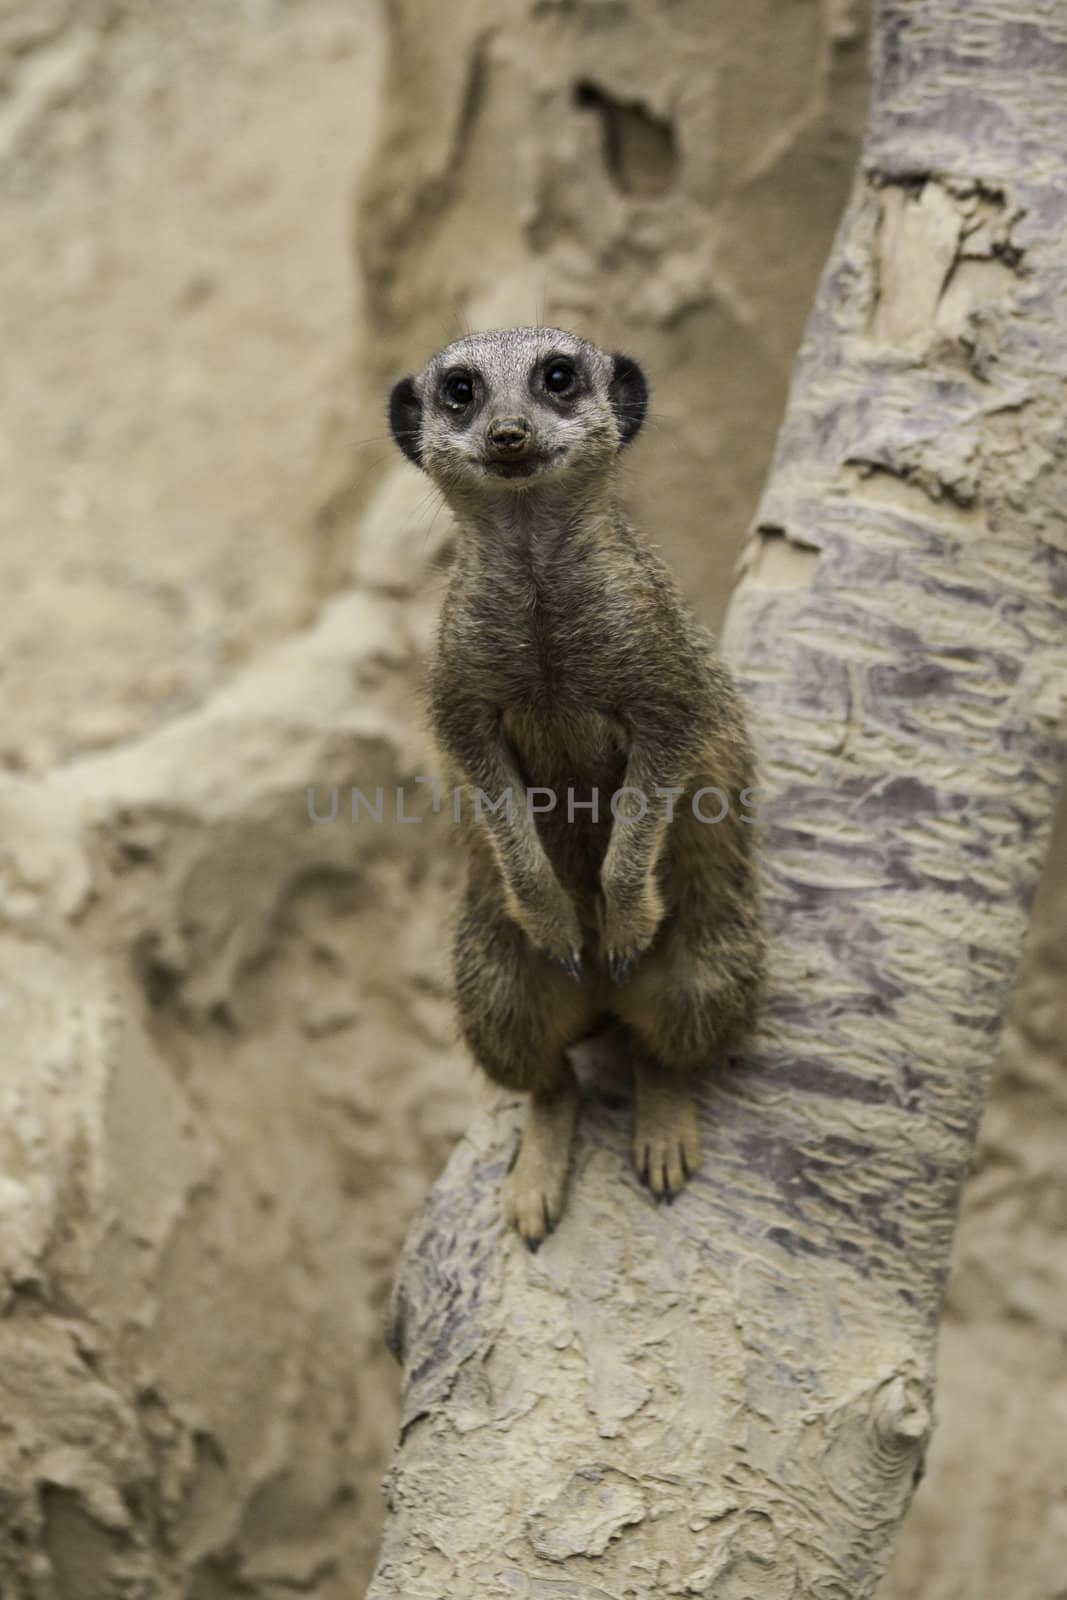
[(459, 389), (559, 377)]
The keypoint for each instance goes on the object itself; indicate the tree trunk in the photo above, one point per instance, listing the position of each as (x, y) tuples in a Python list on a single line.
[(732, 1396)]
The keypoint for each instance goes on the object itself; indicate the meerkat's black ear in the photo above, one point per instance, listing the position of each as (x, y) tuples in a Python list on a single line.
[(628, 392), (405, 419)]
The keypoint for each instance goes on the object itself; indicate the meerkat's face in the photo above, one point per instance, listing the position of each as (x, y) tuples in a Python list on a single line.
[(515, 408)]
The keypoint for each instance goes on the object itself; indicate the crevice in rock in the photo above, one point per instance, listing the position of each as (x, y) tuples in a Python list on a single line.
[(640, 149)]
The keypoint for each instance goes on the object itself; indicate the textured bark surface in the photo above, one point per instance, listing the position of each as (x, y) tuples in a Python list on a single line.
[(733, 1396)]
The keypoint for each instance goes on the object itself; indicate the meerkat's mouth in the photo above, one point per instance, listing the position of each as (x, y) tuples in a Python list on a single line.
[(527, 467), (512, 469)]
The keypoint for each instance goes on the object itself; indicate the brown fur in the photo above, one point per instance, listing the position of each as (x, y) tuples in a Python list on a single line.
[(566, 660)]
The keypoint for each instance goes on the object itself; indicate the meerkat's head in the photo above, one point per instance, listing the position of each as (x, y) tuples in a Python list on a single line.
[(515, 408)]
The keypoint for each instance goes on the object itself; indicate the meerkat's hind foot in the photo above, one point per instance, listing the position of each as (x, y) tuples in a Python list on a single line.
[(537, 1183), (666, 1145)]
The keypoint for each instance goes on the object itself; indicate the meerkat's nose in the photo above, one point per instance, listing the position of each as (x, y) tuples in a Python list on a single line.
[(509, 436)]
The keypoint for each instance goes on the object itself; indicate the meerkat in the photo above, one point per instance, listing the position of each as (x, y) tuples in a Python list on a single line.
[(581, 712)]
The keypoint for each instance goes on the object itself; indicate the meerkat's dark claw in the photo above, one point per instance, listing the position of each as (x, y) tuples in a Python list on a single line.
[(571, 965), (642, 1171), (619, 964)]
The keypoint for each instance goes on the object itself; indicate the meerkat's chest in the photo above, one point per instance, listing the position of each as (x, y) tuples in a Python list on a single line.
[(546, 649), (562, 748)]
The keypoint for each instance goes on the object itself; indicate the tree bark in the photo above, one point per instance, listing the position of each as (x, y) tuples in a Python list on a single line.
[(732, 1396)]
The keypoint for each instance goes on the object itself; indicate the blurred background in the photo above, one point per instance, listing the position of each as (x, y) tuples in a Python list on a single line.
[(230, 1067)]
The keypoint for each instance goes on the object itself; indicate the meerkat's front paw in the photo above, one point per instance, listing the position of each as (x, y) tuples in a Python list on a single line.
[(550, 922), (629, 927), (666, 1133), (537, 1182)]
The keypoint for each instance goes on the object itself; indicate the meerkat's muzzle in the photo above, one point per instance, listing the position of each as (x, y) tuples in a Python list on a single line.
[(508, 438)]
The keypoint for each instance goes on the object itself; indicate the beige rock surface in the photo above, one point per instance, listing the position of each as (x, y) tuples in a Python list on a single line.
[(230, 1069)]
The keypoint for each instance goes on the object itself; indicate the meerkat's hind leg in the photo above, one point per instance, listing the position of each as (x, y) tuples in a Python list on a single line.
[(666, 1141), (537, 1182)]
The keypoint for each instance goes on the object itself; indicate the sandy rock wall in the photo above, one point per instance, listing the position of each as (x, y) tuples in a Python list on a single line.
[(177, 297), (230, 1067), (216, 1104), (222, 1026)]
